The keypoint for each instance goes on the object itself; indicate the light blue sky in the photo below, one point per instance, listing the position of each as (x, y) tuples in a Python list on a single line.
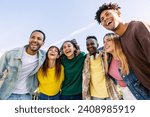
[(59, 19)]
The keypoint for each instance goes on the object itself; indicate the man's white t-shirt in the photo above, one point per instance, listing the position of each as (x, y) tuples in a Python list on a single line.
[(29, 63)]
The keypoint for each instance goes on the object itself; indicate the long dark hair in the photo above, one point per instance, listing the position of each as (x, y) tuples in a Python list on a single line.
[(45, 66)]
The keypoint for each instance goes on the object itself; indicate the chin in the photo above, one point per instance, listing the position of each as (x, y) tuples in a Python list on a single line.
[(110, 28), (34, 49)]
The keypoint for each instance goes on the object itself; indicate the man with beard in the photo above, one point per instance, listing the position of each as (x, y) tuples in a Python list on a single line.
[(21, 65), (135, 40)]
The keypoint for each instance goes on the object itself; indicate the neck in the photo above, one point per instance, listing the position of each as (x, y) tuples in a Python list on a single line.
[(51, 63), (70, 57), (114, 55), (122, 27), (29, 51), (94, 55)]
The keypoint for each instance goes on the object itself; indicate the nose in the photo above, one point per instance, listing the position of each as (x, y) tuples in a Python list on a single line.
[(89, 46), (67, 47), (35, 39)]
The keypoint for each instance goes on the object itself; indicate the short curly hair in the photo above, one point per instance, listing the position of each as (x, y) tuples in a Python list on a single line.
[(105, 6)]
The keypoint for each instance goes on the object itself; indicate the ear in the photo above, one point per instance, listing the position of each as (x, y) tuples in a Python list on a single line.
[(43, 43), (118, 12)]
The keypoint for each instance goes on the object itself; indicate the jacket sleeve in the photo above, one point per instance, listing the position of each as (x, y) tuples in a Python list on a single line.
[(86, 81), (3, 63)]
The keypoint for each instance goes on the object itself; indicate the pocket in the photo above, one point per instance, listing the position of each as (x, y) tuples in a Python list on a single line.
[(12, 72)]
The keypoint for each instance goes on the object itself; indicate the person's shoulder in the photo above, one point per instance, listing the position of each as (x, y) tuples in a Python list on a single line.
[(136, 23), (146, 24), (13, 51), (140, 24), (42, 52), (83, 54), (40, 73)]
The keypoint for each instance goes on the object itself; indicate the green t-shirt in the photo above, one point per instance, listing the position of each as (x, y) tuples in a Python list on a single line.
[(72, 84)]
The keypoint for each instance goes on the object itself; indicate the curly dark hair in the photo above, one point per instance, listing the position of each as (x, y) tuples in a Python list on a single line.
[(89, 37), (105, 6)]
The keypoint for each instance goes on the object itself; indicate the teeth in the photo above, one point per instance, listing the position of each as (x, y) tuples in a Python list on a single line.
[(108, 23), (67, 51), (34, 44)]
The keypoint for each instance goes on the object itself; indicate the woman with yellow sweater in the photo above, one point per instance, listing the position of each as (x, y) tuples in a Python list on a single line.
[(51, 76)]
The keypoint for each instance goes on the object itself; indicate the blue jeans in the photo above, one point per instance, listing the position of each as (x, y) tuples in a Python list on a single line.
[(95, 98), (46, 97), (71, 97), (19, 97)]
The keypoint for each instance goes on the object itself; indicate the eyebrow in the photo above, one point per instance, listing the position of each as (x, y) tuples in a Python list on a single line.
[(106, 12)]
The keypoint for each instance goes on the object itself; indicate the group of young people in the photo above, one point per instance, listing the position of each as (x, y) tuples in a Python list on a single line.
[(118, 70)]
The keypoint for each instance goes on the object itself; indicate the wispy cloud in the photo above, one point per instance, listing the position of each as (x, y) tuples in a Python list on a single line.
[(76, 32)]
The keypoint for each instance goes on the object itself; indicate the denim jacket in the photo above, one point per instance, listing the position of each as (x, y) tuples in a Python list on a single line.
[(12, 61), (137, 89)]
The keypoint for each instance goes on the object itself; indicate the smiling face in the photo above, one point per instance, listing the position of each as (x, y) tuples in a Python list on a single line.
[(36, 40), (109, 45), (92, 46), (68, 50), (53, 53), (110, 19)]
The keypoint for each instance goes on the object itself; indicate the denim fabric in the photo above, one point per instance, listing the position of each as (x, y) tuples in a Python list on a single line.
[(95, 98), (46, 97), (12, 61), (137, 89), (71, 97), (19, 97)]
